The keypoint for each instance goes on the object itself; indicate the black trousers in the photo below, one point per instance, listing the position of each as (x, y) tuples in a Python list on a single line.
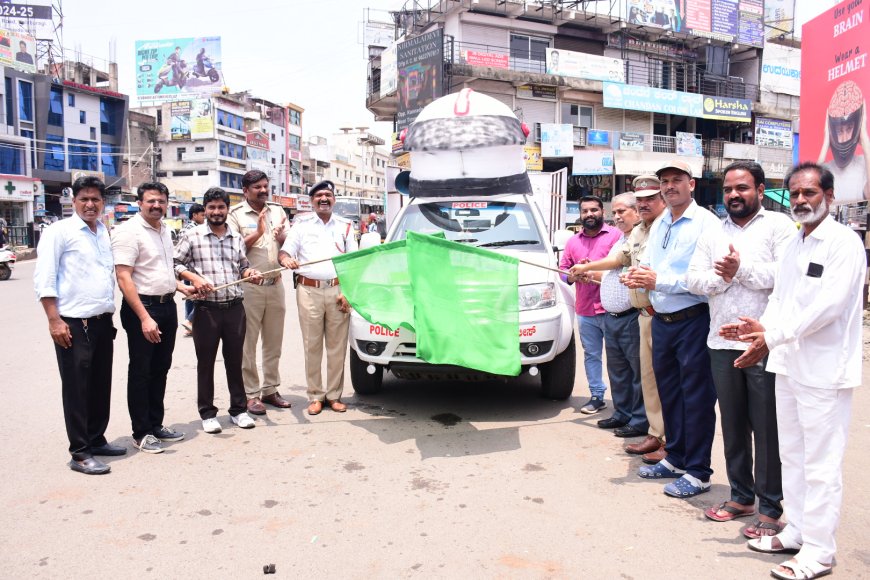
[(211, 327), (682, 367), (747, 403), (149, 364), (86, 382)]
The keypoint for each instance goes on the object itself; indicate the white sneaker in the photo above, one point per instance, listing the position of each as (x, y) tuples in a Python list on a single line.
[(211, 425), (243, 420)]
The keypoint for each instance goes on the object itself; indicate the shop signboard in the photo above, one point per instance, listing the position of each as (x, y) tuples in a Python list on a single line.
[(592, 162), (652, 100)]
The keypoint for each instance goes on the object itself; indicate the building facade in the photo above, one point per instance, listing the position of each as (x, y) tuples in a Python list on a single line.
[(607, 92)]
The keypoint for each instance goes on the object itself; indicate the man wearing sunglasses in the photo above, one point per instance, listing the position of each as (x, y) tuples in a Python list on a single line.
[(679, 333)]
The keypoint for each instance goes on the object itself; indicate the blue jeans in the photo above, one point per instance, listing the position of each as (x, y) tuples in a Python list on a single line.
[(592, 339)]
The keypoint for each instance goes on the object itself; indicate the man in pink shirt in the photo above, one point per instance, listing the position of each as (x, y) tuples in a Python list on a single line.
[(592, 243)]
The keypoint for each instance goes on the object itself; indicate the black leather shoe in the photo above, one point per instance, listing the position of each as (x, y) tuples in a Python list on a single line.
[(610, 423), (89, 466), (108, 450), (629, 431)]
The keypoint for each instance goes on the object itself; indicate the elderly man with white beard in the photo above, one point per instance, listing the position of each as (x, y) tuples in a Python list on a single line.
[(812, 329)]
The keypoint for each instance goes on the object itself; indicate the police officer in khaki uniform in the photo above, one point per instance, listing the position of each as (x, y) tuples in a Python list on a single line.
[(263, 226)]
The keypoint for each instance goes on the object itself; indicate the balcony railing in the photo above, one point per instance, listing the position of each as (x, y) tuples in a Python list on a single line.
[(686, 77)]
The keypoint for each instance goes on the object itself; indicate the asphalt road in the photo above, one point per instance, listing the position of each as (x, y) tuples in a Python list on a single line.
[(426, 480)]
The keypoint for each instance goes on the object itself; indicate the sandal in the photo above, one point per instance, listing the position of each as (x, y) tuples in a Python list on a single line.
[(802, 571), (660, 470), (764, 544), (751, 531), (685, 488), (732, 513)]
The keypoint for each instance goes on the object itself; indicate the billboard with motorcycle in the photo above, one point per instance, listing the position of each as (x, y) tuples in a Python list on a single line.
[(176, 69)]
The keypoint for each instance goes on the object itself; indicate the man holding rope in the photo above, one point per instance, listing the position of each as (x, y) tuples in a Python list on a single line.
[(324, 314), (212, 257)]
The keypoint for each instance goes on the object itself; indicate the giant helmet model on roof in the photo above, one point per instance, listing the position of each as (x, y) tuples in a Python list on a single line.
[(466, 143)]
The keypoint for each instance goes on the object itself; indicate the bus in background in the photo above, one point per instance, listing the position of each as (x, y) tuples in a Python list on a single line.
[(357, 208)]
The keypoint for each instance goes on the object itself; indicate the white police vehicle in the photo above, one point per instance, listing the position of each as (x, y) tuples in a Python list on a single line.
[(509, 224)]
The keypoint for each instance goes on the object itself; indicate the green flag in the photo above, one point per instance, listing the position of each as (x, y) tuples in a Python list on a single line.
[(461, 302), (375, 282), (466, 305)]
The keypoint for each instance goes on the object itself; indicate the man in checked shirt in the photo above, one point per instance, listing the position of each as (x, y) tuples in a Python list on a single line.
[(210, 255)]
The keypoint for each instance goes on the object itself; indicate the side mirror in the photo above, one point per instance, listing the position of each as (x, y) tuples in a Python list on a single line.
[(369, 240), (560, 238)]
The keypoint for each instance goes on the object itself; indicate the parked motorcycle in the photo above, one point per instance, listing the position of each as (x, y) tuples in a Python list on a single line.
[(7, 260), (204, 68), (178, 73)]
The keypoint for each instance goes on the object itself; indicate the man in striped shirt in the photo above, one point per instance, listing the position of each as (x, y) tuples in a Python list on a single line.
[(209, 256)]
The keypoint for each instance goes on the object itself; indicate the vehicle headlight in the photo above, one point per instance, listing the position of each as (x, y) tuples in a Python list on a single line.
[(534, 296)]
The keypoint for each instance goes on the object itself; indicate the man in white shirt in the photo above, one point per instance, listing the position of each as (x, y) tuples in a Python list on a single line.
[(74, 280), (734, 267), (812, 328), (142, 249), (324, 313)]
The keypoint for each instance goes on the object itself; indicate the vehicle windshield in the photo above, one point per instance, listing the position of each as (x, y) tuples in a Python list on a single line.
[(486, 224), (347, 208)]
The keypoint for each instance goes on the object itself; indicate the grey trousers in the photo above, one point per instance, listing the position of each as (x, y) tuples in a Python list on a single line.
[(747, 404)]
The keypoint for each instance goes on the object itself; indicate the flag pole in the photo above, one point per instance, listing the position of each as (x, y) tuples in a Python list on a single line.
[(276, 270), (557, 270)]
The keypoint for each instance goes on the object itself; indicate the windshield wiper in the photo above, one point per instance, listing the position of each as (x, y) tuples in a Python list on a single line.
[(464, 240), (508, 243)]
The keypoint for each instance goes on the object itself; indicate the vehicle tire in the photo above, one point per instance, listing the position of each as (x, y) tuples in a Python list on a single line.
[(557, 376), (158, 86), (214, 76), (5, 272), (364, 383)]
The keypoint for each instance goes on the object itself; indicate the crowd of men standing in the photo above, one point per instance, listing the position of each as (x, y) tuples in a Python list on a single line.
[(749, 311)]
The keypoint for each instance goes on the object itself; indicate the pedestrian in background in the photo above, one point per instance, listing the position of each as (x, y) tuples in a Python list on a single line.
[(262, 225), (324, 313), (142, 250), (212, 255), (74, 280), (734, 267), (812, 330)]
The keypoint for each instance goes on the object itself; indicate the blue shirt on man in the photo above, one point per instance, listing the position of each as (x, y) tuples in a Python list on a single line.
[(75, 265), (669, 251)]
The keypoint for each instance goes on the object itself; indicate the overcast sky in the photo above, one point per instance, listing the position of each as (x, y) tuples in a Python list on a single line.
[(308, 52)]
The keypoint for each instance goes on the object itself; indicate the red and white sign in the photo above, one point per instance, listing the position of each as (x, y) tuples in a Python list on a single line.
[(528, 331), (382, 331), (469, 205), (835, 86), (489, 59), (257, 140)]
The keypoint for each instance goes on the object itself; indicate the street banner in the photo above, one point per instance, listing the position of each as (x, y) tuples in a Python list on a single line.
[(490, 59), (592, 162), (557, 140), (179, 127), (420, 66), (201, 119), (568, 63), (534, 159), (688, 144), (781, 69), (835, 82), (726, 20), (433, 287), (30, 17), (178, 69), (17, 50), (778, 17), (389, 72), (773, 133)]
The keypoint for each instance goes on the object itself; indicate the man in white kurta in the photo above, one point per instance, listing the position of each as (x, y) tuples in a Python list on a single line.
[(812, 326)]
